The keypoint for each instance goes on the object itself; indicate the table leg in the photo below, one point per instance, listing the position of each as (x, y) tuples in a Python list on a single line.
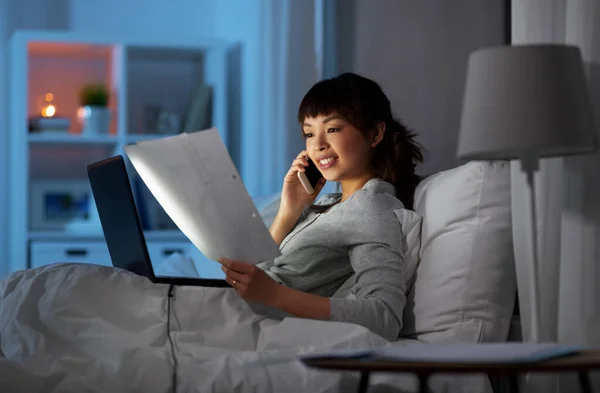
[(584, 382), (423, 381), (513, 383), (364, 382)]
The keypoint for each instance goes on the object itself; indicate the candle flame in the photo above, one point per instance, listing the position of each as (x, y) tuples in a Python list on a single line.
[(48, 111)]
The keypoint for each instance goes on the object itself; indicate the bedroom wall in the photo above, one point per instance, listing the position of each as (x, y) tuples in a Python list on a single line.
[(418, 51), (183, 19)]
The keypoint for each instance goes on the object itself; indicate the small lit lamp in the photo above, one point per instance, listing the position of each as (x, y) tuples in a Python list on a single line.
[(49, 109), (524, 103)]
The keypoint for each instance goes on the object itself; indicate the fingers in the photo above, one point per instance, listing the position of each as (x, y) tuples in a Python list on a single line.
[(301, 161), (240, 278), (236, 285), (300, 164), (238, 266), (303, 154)]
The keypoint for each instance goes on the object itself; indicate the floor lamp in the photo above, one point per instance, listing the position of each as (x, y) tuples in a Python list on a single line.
[(526, 102)]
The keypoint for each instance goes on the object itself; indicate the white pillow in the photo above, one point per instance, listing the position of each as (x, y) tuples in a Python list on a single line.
[(465, 284)]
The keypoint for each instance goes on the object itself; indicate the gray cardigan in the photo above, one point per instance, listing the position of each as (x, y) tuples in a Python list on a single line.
[(361, 239)]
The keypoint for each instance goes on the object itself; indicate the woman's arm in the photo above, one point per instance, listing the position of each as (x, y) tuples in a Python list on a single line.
[(282, 225), (379, 290), (252, 283), (376, 252), (294, 199), (301, 304)]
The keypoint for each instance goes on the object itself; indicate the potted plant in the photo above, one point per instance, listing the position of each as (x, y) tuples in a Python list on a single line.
[(94, 113)]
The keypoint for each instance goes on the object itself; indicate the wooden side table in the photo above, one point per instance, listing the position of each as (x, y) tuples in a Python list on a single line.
[(580, 363)]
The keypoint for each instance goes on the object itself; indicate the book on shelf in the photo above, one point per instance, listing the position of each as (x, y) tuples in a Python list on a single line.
[(193, 178)]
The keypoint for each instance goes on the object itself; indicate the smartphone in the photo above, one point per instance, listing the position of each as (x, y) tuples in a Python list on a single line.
[(310, 178)]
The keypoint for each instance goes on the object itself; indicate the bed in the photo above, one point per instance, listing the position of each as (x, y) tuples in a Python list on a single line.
[(81, 327)]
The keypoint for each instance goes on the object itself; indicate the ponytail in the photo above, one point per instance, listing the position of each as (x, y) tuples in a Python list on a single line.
[(395, 160)]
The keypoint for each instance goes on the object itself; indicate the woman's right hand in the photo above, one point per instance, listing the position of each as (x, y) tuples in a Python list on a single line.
[(294, 198)]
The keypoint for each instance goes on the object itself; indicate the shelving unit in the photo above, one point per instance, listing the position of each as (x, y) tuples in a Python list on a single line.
[(67, 139), (138, 72), (62, 236)]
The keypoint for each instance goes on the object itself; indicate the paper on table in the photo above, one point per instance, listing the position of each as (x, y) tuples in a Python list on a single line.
[(459, 353), (477, 353), (194, 180)]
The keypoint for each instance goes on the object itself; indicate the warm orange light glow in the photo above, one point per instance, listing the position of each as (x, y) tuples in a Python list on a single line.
[(49, 111)]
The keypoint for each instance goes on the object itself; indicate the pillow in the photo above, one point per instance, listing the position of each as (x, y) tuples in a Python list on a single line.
[(465, 284)]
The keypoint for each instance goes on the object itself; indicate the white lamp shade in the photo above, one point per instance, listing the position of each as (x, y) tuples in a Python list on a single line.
[(526, 100)]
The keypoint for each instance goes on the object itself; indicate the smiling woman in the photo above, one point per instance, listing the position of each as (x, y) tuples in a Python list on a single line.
[(352, 113), (341, 152), (349, 257)]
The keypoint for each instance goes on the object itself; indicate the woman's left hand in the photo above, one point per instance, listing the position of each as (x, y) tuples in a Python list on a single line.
[(250, 282)]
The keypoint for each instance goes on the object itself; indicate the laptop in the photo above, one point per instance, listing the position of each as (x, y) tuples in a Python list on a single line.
[(122, 226)]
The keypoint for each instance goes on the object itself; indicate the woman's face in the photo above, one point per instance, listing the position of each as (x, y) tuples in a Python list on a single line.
[(340, 151)]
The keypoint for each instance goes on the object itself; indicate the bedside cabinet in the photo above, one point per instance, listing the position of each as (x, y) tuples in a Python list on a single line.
[(48, 252), (160, 250)]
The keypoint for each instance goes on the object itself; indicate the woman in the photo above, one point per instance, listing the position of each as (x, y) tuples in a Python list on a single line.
[(356, 237)]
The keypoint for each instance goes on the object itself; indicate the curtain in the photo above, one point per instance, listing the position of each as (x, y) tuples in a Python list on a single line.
[(568, 199), (4, 36), (288, 68)]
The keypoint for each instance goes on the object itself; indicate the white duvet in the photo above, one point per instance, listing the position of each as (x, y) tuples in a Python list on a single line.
[(86, 328)]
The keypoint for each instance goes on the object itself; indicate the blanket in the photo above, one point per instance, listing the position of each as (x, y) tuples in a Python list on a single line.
[(87, 328)]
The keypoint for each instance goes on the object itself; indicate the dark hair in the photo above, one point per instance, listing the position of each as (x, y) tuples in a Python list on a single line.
[(362, 103)]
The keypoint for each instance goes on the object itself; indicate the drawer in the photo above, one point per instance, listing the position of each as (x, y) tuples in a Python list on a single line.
[(160, 250), (202, 267), (48, 252)]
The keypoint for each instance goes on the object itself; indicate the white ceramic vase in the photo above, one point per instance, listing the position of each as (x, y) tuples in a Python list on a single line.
[(95, 120)]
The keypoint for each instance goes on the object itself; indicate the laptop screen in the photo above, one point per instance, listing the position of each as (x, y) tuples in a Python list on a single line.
[(119, 216)]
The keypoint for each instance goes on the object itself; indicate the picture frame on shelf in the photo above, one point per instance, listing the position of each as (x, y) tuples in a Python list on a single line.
[(56, 203), (168, 122), (158, 120)]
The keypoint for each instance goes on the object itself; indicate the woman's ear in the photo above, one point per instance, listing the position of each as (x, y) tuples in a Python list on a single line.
[(378, 133)]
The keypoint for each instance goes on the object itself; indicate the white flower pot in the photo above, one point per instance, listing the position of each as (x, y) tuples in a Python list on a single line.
[(95, 120)]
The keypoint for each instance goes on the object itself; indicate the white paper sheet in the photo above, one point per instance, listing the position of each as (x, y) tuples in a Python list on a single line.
[(193, 178), (459, 353)]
